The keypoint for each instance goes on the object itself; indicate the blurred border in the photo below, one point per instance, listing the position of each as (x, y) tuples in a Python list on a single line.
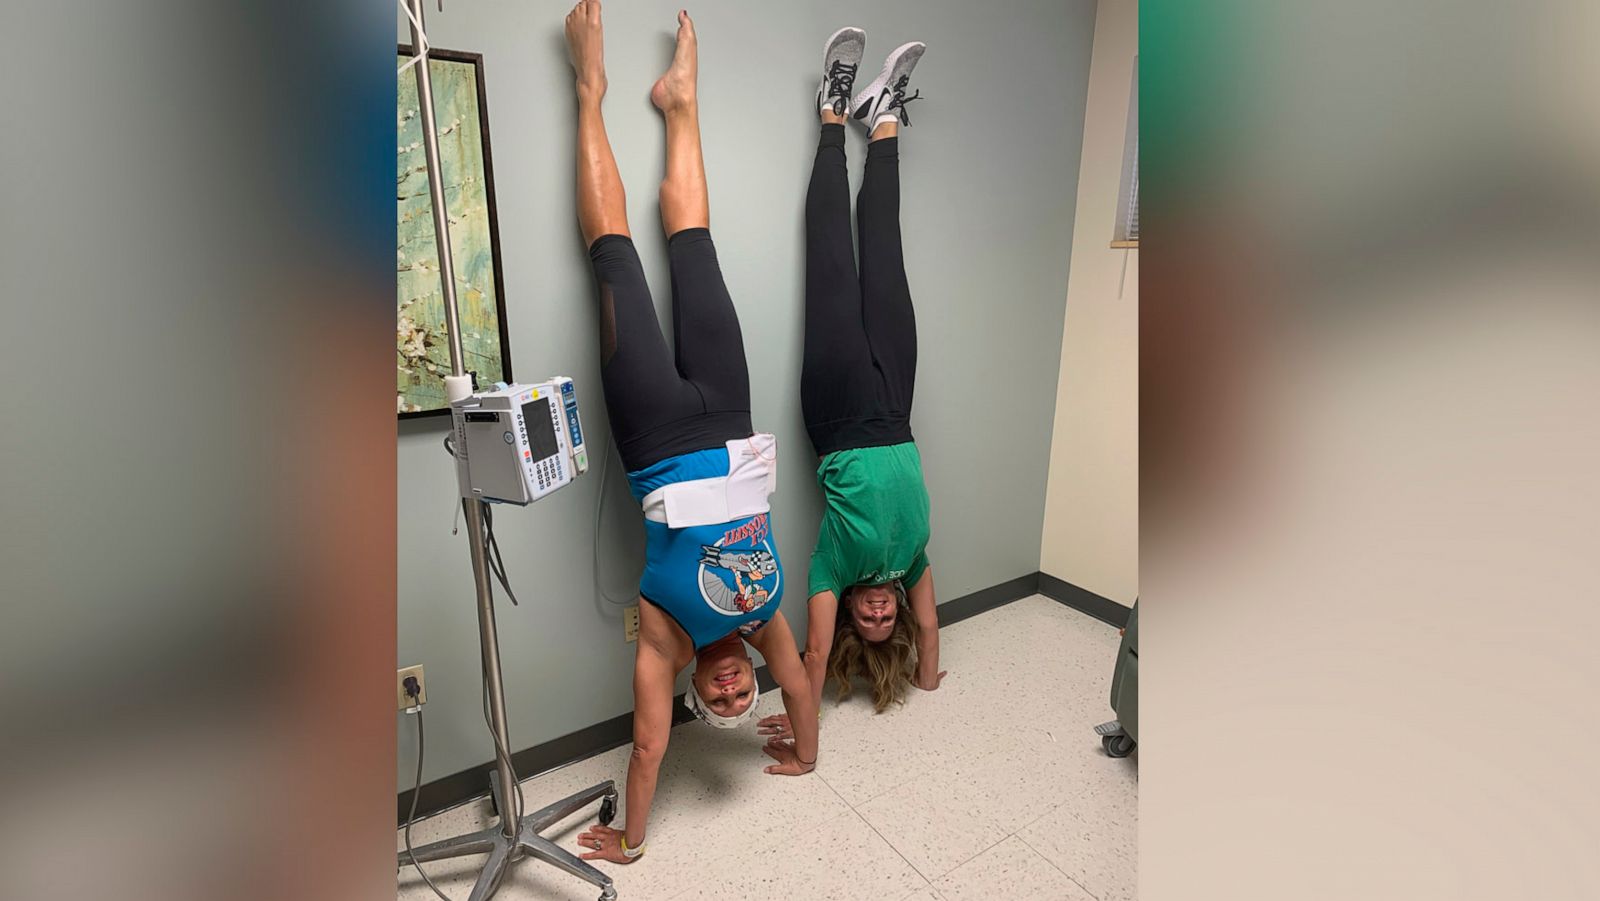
[(198, 452), (1368, 495)]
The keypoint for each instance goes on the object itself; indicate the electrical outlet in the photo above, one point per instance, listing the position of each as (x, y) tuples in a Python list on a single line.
[(630, 623), (406, 701)]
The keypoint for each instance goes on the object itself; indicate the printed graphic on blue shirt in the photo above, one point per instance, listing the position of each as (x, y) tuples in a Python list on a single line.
[(739, 573)]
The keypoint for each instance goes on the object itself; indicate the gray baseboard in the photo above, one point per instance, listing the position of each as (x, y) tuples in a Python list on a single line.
[(969, 605), (1083, 600), (469, 784)]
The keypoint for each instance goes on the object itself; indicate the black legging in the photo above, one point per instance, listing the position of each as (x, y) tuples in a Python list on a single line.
[(661, 404), (861, 336)]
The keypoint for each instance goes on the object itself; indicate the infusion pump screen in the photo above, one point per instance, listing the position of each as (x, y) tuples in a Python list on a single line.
[(541, 437)]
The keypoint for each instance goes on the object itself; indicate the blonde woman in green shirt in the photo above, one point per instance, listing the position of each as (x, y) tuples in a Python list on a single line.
[(872, 610)]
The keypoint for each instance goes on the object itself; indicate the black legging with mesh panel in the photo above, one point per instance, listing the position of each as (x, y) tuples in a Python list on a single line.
[(860, 362), (697, 396)]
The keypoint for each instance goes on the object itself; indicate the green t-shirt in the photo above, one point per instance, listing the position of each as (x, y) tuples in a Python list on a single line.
[(875, 527)]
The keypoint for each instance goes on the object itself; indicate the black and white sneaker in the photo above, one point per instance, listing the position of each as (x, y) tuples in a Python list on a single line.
[(885, 98), (841, 55)]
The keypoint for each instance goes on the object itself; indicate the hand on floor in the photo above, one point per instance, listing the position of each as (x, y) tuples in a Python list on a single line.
[(789, 763), (604, 843), (776, 726), (927, 684)]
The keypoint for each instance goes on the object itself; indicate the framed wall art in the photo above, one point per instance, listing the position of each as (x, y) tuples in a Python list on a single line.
[(422, 349)]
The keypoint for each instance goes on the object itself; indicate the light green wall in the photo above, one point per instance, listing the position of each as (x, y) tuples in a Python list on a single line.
[(989, 180)]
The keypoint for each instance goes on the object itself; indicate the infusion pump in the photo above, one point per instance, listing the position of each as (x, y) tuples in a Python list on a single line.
[(518, 443)]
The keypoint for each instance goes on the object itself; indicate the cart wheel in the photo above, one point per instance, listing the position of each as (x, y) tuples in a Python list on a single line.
[(1118, 745), (608, 809)]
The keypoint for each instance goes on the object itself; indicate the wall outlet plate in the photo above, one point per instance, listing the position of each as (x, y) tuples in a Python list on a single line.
[(630, 623), (403, 699)]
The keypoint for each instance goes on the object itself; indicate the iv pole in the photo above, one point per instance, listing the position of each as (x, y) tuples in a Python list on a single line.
[(516, 835)]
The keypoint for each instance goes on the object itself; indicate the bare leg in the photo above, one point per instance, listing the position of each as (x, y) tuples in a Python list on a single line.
[(885, 130), (709, 348), (602, 205), (684, 203), (643, 389)]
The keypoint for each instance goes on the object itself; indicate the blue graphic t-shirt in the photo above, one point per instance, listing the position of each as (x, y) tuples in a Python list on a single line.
[(711, 579)]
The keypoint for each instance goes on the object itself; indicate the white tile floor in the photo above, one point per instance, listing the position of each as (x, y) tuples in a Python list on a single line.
[(995, 786)]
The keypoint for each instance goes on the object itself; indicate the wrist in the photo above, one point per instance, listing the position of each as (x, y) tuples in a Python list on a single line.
[(631, 852)]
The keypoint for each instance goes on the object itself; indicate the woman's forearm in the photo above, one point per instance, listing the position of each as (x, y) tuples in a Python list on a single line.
[(822, 608), (925, 606), (928, 654), (802, 712), (816, 673), (643, 768)]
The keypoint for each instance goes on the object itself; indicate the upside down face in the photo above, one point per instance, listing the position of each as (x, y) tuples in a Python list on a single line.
[(725, 680), (873, 609)]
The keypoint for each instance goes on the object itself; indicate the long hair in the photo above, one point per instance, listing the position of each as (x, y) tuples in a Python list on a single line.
[(886, 665)]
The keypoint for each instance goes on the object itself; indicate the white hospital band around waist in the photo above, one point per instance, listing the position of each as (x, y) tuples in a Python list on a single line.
[(742, 493)]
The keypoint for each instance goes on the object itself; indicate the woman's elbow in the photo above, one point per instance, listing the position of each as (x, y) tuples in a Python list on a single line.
[(648, 752), (817, 647)]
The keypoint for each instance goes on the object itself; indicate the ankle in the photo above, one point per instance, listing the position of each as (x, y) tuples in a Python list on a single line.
[(829, 117), (591, 90), (679, 106)]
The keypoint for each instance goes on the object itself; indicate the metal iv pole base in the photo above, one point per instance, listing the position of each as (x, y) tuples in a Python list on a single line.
[(504, 850)]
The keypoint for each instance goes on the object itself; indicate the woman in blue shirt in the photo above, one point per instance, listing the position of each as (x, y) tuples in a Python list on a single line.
[(712, 578)]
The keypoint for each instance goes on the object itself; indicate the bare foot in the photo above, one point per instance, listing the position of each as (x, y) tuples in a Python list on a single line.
[(675, 89), (586, 48)]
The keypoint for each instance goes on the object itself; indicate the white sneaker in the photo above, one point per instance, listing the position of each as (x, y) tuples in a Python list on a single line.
[(841, 55), (885, 99)]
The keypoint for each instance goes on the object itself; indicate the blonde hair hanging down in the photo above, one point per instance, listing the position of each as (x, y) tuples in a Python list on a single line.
[(886, 665)]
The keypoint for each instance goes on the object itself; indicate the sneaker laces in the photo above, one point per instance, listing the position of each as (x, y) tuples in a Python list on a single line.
[(897, 104), (841, 77)]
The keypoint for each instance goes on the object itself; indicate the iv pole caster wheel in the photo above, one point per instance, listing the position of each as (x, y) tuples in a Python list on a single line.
[(1118, 745), (608, 812)]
